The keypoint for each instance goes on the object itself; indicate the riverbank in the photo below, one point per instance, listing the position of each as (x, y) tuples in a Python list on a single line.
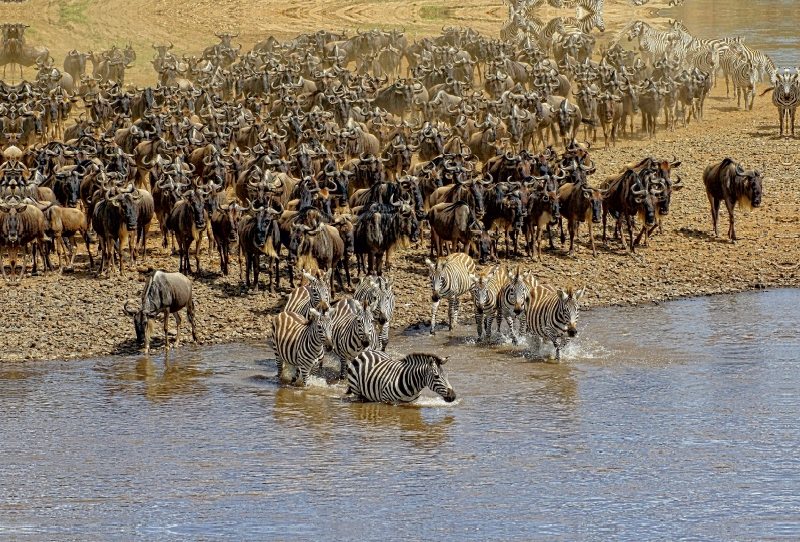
[(78, 315)]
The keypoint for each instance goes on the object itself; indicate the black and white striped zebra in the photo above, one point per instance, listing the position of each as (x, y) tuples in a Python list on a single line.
[(512, 299), (449, 280), (744, 76), (375, 377), (762, 62), (302, 298), (653, 44), (553, 314), (378, 291), (353, 330), (300, 343), (786, 97), (486, 288)]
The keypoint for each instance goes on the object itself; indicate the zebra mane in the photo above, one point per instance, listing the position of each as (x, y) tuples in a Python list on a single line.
[(419, 358)]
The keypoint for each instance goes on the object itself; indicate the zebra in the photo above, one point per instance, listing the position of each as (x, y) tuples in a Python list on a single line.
[(449, 279), (744, 77), (653, 43), (704, 55), (374, 376), (512, 299), (553, 314), (555, 26), (300, 343), (302, 298), (786, 97), (486, 288), (353, 330), (762, 62), (378, 290)]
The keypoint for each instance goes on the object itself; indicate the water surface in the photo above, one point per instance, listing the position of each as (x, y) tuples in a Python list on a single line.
[(678, 420)]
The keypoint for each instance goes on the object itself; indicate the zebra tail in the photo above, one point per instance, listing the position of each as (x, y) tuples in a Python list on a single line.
[(769, 89)]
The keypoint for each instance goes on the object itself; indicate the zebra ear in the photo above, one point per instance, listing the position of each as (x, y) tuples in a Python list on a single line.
[(444, 360), (473, 278), (429, 264), (327, 275), (308, 276), (563, 295), (313, 313), (579, 293)]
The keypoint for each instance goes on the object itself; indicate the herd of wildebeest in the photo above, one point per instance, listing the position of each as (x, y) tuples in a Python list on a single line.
[(325, 150)]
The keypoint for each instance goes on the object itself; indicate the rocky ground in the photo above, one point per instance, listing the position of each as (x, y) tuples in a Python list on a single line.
[(79, 315)]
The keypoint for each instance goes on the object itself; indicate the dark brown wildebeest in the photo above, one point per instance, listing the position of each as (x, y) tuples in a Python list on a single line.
[(258, 234), (380, 229), (629, 195), (580, 203), (163, 294), (21, 223), (188, 221), (455, 222), (728, 182)]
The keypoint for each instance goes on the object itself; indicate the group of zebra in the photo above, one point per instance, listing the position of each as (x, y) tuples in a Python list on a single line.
[(356, 329), (742, 66), (504, 294)]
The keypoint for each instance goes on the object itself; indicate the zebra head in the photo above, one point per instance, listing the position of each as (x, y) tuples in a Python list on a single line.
[(636, 30), (517, 291), (437, 278), (436, 377), (365, 324), (318, 286), (566, 318), (384, 308), (322, 320), (480, 290)]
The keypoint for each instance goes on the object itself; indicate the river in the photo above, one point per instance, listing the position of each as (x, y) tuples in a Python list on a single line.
[(677, 420)]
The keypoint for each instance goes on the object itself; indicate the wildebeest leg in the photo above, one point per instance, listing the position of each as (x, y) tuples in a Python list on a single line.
[(714, 202), (254, 264), (190, 317), (197, 244), (178, 330), (379, 263), (277, 273), (591, 238), (346, 264), (370, 263), (731, 229), (166, 332)]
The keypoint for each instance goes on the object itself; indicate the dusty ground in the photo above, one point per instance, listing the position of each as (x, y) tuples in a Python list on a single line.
[(79, 315)]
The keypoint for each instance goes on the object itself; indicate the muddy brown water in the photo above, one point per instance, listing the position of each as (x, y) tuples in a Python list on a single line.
[(674, 420), (767, 25)]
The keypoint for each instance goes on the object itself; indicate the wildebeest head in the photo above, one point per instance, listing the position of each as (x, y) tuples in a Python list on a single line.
[(642, 197), (752, 186), (67, 186), (126, 201), (196, 202), (13, 224), (595, 197)]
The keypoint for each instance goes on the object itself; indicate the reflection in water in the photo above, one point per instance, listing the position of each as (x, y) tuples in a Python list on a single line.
[(684, 427)]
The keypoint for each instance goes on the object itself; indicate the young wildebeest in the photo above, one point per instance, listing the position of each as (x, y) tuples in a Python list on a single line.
[(163, 294), (728, 182)]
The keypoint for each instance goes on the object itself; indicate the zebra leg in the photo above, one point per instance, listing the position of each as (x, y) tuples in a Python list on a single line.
[(452, 312), (480, 318), (384, 336), (433, 316)]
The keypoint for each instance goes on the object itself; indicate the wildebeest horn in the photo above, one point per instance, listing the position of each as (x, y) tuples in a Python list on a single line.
[(128, 310)]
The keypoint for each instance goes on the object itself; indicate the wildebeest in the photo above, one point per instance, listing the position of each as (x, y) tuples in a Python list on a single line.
[(258, 234), (381, 229), (114, 220), (456, 223), (729, 182), (188, 221), (21, 223), (580, 203), (163, 294)]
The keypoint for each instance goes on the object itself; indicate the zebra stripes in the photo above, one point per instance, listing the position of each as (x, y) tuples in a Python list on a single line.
[(553, 314), (353, 330), (744, 77), (312, 294), (653, 43), (486, 288), (376, 377), (378, 291), (450, 278), (513, 298), (786, 97), (300, 343)]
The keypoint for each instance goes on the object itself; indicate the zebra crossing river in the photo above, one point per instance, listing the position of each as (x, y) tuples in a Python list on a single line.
[(671, 421)]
